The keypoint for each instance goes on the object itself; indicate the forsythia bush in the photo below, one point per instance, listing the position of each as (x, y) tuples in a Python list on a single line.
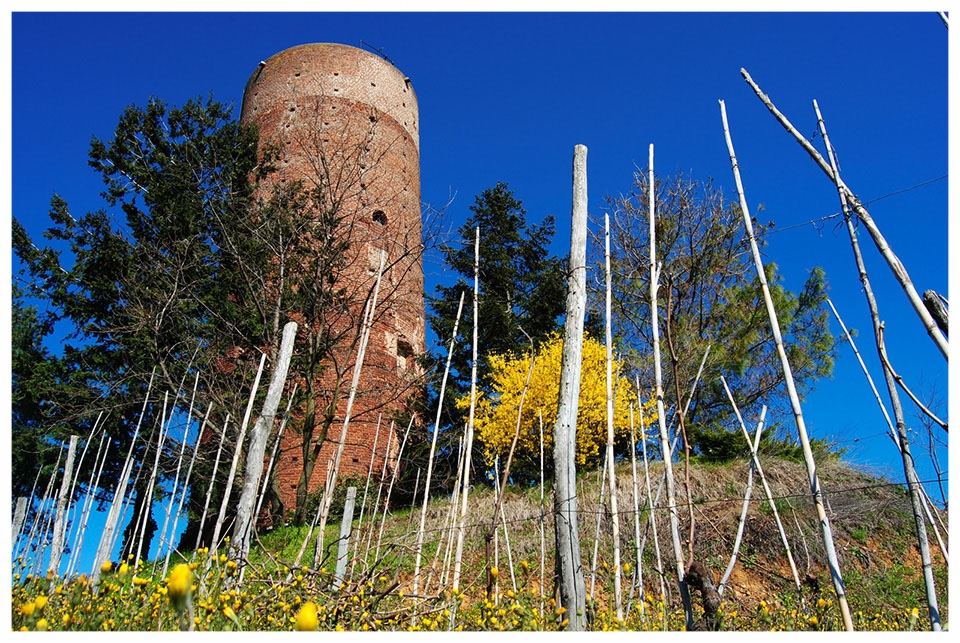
[(496, 414)]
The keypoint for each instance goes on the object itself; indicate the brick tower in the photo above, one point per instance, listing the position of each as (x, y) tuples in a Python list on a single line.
[(345, 121)]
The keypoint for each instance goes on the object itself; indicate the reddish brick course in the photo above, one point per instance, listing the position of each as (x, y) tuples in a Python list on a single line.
[(347, 121)]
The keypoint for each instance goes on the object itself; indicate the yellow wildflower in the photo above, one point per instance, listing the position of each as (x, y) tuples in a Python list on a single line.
[(27, 608), (41, 602), (307, 617), (494, 571), (178, 584), (106, 567), (42, 625), (124, 569)]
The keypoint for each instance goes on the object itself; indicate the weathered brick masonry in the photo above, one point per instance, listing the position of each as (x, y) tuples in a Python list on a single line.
[(347, 121)]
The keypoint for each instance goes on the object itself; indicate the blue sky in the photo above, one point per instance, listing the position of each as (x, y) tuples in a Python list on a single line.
[(505, 97)]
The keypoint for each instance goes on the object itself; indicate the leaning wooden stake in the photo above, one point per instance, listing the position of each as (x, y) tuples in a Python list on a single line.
[(245, 522), (746, 505), (433, 450), (755, 462), (811, 465), (596, 534), (913, 483), (59, 527), (893, 431), (213, 478), (898, 269), (569, 568), (238, 449), (661, 413)]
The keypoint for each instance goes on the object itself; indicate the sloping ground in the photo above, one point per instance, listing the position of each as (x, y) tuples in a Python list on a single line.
[(871, 521)]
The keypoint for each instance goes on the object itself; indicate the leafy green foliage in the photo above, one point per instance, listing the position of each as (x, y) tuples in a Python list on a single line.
[(710, 299)]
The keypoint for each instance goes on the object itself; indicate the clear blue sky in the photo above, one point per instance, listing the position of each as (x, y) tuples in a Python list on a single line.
[(505, 97)]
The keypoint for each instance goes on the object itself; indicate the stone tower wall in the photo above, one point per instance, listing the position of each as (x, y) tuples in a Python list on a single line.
[(346, 121)]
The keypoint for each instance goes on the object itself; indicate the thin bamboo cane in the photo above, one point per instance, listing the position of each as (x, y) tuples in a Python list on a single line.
[(357, 369), (468, 447), (652, 518), (147, 507), (110, 526), (746, 505), (543, 512), (755, 460), (433, 449), (213, 477), (910, 475), (376, 505), (452, 521), (896, 266), (393, 479), (814, 480), (617, 590), (501, 485), (592, 596), (363, 501), (664, 439), (176, 482), (186, 487), (893, 430), (72, 526), (102, 450), (638, 573), (238, 449)]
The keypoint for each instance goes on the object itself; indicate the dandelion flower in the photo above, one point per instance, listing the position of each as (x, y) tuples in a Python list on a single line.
[(106, 567), (41, 602), (27, 608), (494, 571), (307, 617), (178, 584), (42, 625)]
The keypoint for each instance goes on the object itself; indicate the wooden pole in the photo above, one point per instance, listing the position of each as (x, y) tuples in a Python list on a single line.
[(811, 465), (569, 568), (245, 523), (343, 546), (664, 437), (213, 478), (59, 527), (913, 483), (611, 469)]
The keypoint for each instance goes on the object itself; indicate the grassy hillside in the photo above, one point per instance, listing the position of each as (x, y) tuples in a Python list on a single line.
[(871, 521)]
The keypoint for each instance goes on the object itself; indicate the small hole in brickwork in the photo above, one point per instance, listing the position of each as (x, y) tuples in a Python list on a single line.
[(373, 119), (293, 109), (380, 217), (356, 459), (336, 73), (373, 84), (336, 89), (297, 74)]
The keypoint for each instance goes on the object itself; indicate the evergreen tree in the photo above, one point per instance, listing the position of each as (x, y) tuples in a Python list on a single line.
[(521, 287)]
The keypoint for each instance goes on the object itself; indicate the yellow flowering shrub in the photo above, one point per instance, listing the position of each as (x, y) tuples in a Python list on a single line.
[(496, 413)]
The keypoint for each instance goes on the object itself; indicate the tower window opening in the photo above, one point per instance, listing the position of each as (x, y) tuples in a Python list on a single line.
[(380, 217)]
